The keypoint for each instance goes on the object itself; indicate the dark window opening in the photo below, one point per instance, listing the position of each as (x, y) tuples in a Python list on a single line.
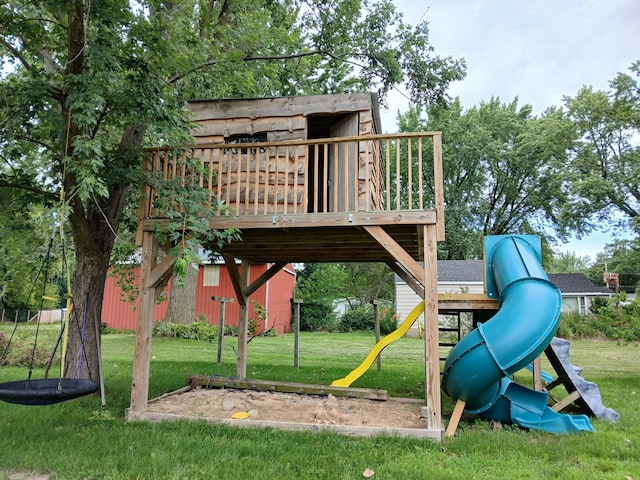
[(243, 138)]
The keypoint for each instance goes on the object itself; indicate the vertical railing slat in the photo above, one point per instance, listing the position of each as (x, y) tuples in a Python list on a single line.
[(267, 166), (256, 184), (210, 175), (367, 166), (387, 163), (247, 181), (420, 193), (335, 179), (238, 173), (438, 182), (398, 176), (325, 182), (286, 179), (295, 179), (356, 175), (410, 173), (316, 180)]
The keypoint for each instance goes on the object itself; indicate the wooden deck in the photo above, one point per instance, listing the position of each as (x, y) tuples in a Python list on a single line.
[(321, 237)]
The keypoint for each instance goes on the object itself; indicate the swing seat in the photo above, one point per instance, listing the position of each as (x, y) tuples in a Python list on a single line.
[(45, 391)]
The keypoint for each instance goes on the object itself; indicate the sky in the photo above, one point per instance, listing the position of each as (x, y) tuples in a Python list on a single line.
[(537, 50)]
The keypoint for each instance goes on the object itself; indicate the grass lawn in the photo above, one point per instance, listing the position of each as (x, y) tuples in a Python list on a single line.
[(79, 439)]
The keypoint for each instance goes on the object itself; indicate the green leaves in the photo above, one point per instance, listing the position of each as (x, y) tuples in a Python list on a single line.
[(605, 170), (502, 170)]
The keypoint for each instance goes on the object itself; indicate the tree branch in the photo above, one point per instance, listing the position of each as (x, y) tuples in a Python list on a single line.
[(16, 53), (20, 186), (210, 63)]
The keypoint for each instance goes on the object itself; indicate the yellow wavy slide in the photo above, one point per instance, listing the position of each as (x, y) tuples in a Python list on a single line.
[(381, 345)]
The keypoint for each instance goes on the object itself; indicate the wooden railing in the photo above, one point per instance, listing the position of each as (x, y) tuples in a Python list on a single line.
[(347, 174)]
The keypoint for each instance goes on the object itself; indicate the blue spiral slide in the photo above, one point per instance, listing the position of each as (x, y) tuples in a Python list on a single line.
[(479, 367)]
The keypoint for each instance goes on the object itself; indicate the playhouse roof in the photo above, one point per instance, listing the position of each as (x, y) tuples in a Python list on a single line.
[(287, 106)]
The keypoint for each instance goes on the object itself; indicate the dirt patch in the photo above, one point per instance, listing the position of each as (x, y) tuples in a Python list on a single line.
[(292, 408)]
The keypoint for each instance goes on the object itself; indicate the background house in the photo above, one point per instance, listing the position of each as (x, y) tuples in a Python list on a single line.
[(213, 281), (467, 276), (578, 291)]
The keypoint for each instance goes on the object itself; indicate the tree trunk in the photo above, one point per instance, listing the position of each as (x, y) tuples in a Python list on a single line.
[(182, 299), (83, 351)]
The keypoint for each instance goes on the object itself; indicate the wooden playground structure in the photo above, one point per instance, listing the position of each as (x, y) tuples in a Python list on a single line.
[(308, 179)]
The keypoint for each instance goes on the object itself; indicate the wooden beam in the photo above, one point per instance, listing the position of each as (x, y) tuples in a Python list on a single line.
[(264, 278), (161, 272), (286, 387), (244, 222), (537, 373), (455, 418), (234, 275), (566, 401), (144, 327), (394, 249), (243, 324), (467, 302), (407, 278), (431, 329)]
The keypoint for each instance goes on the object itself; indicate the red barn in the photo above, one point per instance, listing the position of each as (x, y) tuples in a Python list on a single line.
[(213, 281)]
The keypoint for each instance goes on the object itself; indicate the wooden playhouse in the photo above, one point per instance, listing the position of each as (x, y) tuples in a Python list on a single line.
[(306, 179)]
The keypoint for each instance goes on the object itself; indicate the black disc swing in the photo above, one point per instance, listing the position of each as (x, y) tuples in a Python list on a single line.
[(47, 391)]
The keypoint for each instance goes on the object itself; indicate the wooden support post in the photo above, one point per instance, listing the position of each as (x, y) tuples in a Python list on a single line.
[(455, 418), (537, 374), (376, 320), (432, 355), (144, 326), (296, 332), (223, 302), (243, 324)]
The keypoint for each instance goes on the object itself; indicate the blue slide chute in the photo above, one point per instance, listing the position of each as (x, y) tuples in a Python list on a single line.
[(479, 367)]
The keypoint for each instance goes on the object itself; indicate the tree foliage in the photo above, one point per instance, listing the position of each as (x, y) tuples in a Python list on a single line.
[(85, 85), (29, 252), (604, 172), (568, 262), (621, 257), (502, 170)]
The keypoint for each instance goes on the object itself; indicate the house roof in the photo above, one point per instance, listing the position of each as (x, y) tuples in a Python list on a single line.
[(468, 271), (577, 283), (460, 271)]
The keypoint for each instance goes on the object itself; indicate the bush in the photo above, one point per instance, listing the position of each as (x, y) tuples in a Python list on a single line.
[(317, 316), (612, 320), (198, 330), (388, 321), (230, 331), (358, 319)]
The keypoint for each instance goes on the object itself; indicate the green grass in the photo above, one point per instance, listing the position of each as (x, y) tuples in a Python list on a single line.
[(79, 439)]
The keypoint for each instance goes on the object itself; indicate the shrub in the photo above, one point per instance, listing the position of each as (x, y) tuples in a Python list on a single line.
[(317, 316), (620, 322), (358, 319), (230, 331), (388, 321), (198, 330)]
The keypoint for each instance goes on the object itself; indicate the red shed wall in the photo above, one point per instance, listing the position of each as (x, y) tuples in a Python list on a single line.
[(117, 313)]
